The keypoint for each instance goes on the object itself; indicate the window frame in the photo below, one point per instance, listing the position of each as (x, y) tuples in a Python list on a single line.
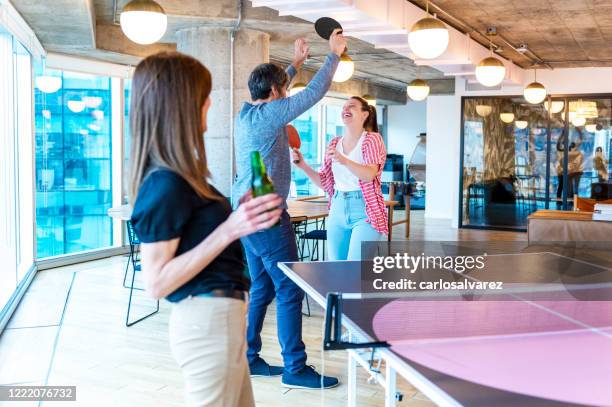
[(118, 74)]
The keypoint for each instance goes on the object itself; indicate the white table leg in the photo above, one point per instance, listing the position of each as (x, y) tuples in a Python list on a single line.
[(352, 380), (391, 387)]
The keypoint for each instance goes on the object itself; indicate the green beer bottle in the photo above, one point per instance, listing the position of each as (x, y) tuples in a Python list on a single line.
[(261, 184)]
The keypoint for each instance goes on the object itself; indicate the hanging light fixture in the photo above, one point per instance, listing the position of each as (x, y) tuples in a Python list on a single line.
[(345, 69), (76, 106), (555, 106), (98, 114), (143, 21), (297, 88), (428, 37), (370, 99), (535, 92), (92, 102), (521, 124), (418, 89), (48, 84), (506, 117), (490, 71), (483, 110), (94, 127)]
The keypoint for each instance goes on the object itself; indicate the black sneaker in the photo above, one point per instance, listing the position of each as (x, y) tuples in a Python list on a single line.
[(308, 378), (260, 368)]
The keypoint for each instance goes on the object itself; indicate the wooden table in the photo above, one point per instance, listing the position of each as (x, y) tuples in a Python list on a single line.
[(315, 208), (300, 210), (566, 226)]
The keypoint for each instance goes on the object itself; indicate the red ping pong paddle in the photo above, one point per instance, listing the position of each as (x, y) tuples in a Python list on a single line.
[(294, 139)]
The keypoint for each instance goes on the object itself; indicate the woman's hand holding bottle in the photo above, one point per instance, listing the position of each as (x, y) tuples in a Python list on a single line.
[(253, 215)]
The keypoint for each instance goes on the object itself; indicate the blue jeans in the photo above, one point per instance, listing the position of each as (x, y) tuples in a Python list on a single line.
[(264, 250), (347, 227)]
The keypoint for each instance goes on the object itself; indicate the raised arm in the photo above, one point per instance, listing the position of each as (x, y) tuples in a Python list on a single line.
[(300, 54), (285, 110)]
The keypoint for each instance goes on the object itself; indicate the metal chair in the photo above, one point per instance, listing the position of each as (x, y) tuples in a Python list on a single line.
[(134, 260), (315, 236)]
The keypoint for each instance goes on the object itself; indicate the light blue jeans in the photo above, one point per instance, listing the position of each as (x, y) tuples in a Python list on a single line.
[(347, 227)]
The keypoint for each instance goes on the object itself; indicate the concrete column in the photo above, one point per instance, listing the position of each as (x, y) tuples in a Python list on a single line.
[(212, 47)]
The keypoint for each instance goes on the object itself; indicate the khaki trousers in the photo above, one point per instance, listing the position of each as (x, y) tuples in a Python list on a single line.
[(208, 341)]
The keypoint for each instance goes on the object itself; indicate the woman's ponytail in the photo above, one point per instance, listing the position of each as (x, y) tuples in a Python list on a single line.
[(371, 123)]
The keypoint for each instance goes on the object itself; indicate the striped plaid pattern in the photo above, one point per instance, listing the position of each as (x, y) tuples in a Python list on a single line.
[(374, 152)]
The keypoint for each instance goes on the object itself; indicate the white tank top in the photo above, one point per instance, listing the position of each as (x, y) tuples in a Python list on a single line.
[(344, 179)]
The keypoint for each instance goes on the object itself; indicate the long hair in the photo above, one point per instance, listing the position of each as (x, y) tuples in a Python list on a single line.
[(370, 123), (168, 92)]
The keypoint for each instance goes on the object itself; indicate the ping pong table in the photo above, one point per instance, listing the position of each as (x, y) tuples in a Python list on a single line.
[(551, 349)]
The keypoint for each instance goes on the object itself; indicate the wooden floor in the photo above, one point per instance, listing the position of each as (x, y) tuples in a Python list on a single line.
[(69, 330)]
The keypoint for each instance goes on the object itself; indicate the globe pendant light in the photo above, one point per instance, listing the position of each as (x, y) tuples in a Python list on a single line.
[(428, 37), (555, 106), (297, 88), (92, 102), (535, 92), (48, 84), (521, 124), (483, 110), (506, 117), (418, 89), (143, 21), (490, 71), (76, 106), (370, 99), (345, 69)]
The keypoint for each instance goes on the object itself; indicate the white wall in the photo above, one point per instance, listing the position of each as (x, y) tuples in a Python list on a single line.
[(444, 130), (404, 125), (442, 157)]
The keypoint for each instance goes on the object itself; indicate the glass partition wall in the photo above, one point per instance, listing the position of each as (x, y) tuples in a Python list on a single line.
[(517, 157)]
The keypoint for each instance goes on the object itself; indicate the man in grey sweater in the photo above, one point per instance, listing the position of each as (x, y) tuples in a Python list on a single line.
[(261, 126)]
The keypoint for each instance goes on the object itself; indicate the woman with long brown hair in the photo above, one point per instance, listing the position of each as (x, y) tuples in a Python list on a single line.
[(350, 175), (190, 251)]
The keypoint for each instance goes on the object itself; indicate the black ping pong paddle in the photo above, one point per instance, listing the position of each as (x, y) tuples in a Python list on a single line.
[(325, 26)]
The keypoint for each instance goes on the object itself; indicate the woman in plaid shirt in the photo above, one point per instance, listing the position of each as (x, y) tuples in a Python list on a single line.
[(350, 175)]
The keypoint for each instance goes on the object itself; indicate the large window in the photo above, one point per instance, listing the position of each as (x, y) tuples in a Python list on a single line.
[(73, 162), (127, 91), (16, 212), (307, 126)]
